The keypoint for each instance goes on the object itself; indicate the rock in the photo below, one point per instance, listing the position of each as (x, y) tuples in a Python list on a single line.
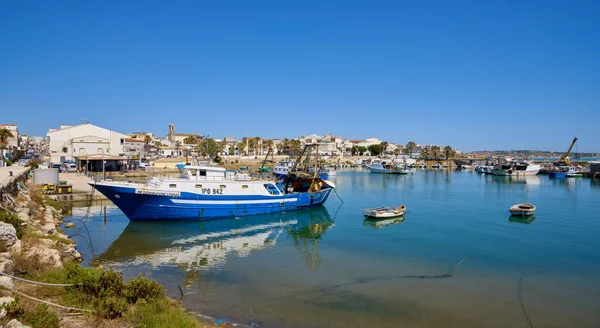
[(70, 225), (5, 264), (6, 300), (45, 256), (24, 217), (6, 282), (47, 242), (8, 234), (14, 323), (16, 247), (2, 313)]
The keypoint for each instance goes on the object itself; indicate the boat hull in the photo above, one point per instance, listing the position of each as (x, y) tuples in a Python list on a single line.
[(557, 174), (189, 206)]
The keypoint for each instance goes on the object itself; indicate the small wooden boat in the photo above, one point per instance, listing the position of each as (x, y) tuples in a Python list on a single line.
[(522, 209), (384, 212)]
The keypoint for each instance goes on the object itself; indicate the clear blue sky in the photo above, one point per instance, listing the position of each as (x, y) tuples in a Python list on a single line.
[(472, 74)]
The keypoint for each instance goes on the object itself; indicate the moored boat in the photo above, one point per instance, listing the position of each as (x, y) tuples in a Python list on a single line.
[(387, 168), (516, 169), (522, 209), (206, 192), (384, 212), (573, 173)]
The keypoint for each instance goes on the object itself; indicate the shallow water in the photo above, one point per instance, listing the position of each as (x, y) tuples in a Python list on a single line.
[(327, 267)]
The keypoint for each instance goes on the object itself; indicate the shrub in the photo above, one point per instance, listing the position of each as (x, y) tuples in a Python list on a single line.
[(111, 307), (107, 283), (13, 309), (142, 288), (13, 219), (8, 162), (40, 317)]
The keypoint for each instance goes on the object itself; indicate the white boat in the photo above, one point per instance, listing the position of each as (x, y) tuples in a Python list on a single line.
[(522, 209), (384, 212), (387, 168), (516, 169), (282, 169), (484, 168)]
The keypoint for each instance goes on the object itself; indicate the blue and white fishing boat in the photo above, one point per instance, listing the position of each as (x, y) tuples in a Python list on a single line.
[(207, 192), (282, 169)]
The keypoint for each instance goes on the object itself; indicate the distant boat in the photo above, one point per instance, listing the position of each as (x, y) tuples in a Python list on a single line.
[(516, 169), (522, 209), (385, 212), (573, 173), (484, 168), (386, 168)]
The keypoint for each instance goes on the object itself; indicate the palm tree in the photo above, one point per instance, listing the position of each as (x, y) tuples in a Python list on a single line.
[(295, 147), (397, 152), (158, 144), (5, 134), (384, 145), (426, 152), (448, 151), (258, 145), (147, 141), (177, 146), (410, 145), (435, 150)]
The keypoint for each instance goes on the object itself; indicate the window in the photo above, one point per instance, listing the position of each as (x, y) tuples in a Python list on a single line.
[(198, 186), (202, 173), (272, 189), (172, 185), (244, 186), (100, 151), (81, 151), (193, 172)]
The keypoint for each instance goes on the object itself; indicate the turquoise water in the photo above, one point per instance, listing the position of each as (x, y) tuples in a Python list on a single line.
[(328, 267)]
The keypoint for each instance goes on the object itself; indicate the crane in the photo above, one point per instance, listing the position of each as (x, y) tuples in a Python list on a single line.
[(565, 157)]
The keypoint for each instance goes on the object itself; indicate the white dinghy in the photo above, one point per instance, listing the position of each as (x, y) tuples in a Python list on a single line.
[(384, 212)]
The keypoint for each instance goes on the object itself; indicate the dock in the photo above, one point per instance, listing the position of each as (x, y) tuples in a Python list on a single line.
[(80, 188)]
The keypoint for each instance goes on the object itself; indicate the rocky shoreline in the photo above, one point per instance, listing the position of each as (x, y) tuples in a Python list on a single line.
[(43, 285)]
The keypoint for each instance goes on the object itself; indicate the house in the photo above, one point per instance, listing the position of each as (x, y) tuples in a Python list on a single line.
[(14, 140), (70, 142), (133, 147)]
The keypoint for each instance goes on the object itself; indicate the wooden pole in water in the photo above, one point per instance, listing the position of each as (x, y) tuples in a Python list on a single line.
[(104, 214)]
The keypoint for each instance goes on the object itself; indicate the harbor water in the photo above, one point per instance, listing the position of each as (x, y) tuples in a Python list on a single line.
[(328, 267)]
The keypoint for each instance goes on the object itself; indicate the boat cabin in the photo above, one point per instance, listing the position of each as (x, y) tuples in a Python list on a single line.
[(209, 173)]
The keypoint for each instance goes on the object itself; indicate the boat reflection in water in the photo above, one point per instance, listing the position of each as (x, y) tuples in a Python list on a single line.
[(207, 244), (521, 219), (528, 179), (378, 223)]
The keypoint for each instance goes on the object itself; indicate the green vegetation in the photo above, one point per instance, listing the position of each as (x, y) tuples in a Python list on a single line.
[(38, 316), (13, 219)]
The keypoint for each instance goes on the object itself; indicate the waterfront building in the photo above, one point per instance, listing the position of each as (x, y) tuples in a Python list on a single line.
[(69, 142)]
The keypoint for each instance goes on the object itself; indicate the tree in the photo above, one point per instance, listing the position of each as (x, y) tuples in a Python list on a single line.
[(208, 147), (285, 146), (426, 152), (5, 134), (190, 140), (177, 146), (362, 150), (410, 145), (375, 150), (241, 147), (435, 150), (449, 152), (354, 150), (231, 150), (295, 147), (397, 152), (158, 145), (384, 145), (257, 146)]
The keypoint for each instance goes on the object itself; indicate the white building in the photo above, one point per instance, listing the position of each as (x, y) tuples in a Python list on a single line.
[(14, 140), (70, 142)]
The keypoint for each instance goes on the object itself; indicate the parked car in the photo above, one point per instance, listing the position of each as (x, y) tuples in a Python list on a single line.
[(144, 165)]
